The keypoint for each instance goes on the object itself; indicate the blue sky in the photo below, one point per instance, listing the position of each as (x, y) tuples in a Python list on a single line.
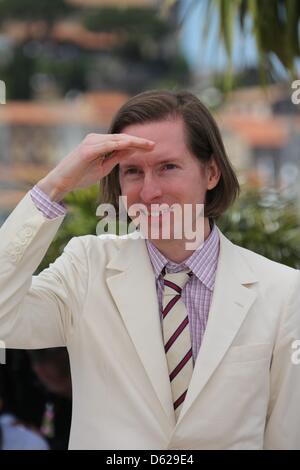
[(207, 52)]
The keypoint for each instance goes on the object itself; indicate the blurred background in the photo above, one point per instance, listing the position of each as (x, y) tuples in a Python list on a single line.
[(66, 66)]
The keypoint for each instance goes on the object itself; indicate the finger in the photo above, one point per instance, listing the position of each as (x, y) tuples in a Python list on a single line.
[(109, 163), (125, 143), (127, 137), (107, 149), (100, 138)]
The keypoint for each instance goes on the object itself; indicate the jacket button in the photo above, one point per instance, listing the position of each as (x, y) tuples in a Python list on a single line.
[(28, 232)]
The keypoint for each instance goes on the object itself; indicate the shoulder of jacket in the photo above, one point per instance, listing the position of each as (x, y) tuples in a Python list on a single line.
[(267, 267), (92, 244)]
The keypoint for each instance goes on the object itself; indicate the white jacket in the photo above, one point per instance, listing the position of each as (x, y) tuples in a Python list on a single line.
[(99, 300)]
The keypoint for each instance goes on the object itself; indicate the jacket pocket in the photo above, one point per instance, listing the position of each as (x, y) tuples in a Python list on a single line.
[(248, 353)]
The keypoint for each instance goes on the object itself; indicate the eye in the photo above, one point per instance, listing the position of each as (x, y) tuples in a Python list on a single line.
[(131, 171), (169, 166)]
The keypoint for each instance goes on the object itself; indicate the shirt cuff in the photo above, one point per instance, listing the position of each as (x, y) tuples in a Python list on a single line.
[(50, 209)]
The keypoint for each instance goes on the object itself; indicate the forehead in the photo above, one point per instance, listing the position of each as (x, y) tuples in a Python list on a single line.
[(169, 138)]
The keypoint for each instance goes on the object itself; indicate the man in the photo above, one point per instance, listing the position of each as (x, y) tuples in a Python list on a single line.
[(170, 347)]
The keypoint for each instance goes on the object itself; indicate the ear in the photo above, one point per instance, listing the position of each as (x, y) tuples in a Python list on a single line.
[(213, 173)]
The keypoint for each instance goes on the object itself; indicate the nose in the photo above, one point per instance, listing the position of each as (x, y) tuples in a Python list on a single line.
[(151, 189)]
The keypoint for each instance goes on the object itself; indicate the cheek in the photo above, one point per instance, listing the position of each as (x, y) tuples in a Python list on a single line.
[(195, 194), (199, 183), (123, 186), (131, 190)]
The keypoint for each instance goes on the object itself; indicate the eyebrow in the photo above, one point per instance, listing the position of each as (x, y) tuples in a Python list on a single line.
[(124, 166)]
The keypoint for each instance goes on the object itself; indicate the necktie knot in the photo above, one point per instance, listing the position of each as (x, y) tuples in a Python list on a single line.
[(175, 282)]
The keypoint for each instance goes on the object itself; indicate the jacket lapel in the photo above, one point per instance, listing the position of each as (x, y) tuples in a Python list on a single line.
[(231, 302), (131, 281)]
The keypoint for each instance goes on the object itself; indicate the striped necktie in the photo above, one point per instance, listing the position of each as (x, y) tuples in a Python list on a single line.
[(177, 340)]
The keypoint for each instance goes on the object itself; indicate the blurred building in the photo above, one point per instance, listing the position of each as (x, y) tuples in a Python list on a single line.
[(100, 46), (35, 135), (261, 128), (68, 73)]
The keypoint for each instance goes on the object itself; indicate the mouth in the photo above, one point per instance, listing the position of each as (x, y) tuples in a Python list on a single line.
[(159, 213)]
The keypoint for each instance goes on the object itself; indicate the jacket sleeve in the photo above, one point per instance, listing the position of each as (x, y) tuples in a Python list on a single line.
[(283, 423), (38, 311)]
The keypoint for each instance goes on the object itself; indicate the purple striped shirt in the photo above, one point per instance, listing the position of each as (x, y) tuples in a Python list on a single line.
[(196, 294), (50, 209)]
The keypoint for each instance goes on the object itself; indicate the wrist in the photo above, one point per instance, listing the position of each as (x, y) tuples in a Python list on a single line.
[(51, 189)]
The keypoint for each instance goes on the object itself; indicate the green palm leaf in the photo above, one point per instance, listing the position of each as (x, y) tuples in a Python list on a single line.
[(275, 26)]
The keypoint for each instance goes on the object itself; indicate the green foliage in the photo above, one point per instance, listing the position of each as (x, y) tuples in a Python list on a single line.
[(143, 41), (80, 220), (141, 30), (263, 222), (130, 20), (275, 26), (266, 223), (69, 73), (47, 10), (20, 65)]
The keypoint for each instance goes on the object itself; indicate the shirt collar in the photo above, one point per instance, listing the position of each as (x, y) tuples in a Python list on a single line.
[(202, 262)]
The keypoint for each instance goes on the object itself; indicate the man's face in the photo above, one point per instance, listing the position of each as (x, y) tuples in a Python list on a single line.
[(169, 174)]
